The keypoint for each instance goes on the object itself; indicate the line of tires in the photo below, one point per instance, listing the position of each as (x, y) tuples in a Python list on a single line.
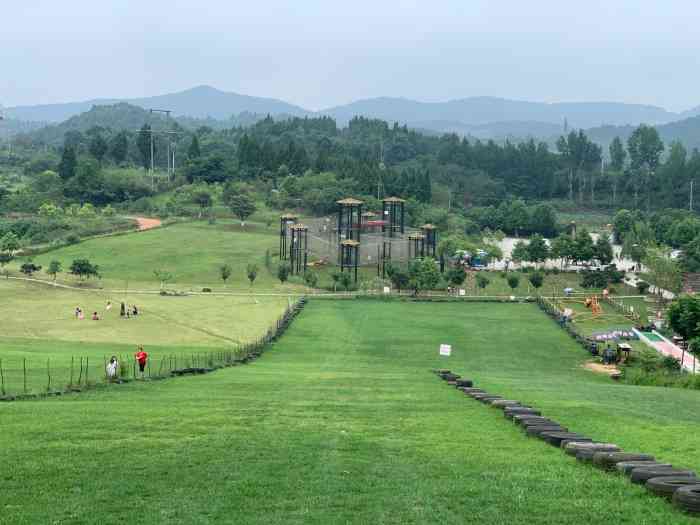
[(679, 485)]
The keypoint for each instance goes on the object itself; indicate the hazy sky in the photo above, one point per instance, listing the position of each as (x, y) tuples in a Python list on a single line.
[(319, 53)]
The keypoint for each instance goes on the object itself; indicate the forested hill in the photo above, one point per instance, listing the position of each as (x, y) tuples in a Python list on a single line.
[(477, 111), (483, 117), (199, 102), (686, 131)]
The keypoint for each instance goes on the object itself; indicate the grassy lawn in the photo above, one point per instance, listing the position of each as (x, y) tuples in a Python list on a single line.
[(341, 422), (193, 252), (39, 325)]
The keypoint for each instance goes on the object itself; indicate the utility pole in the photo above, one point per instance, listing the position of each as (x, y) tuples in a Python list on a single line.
[(690, 206), (167, 155)]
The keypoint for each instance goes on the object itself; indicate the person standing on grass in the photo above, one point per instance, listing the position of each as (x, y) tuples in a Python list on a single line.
[(141, 358), (112, 368)]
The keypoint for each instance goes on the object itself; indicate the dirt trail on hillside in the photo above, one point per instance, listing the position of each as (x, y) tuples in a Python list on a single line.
[(145, 223)]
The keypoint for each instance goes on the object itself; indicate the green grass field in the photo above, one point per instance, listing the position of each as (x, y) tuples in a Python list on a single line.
[(39, 325), (193, 252), (341, 422)]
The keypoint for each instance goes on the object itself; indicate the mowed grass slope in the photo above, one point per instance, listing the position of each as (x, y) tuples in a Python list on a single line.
[(40, 331), (341, 422), (193, 252)]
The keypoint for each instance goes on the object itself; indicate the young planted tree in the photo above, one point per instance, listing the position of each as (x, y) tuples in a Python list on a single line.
[(225, 272), (9, 244), (345, 280), (54, 269), (203, 199), (536, 280), (482, 281), (398, 276), (513, 281), (423, 274), (242, 206), (283, 272), (29, 268), (335, 277), (83, 268), (311, 279), (163, 276), (456, 276), (252, 272)]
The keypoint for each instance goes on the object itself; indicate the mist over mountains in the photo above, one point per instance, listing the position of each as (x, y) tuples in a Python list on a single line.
[(478, 117)]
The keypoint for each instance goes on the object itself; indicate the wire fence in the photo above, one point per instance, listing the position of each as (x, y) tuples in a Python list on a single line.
[(29, 378)]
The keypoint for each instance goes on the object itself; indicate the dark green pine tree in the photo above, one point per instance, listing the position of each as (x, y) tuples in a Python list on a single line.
[(193, 151), (69, 161)]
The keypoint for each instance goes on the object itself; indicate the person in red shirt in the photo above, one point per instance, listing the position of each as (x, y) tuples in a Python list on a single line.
[(141, 358)]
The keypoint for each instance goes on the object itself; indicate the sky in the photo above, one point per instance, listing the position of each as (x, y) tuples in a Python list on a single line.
[(321, 53)]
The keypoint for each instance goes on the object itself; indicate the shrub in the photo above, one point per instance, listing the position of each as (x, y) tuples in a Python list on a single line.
[(642, 287)]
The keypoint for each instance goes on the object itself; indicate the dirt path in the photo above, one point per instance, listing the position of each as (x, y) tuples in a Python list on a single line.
[(145, 223), (601, 369)]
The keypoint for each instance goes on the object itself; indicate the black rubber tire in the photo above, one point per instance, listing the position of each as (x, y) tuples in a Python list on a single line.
[(666, 486), (688, 498), (485, 394), (526, 419), (503, 403), (536, 431), (564, 442), (555, 438), (573, 448), (469, 390), (465, 383), (641, 475), (626, 467), (511, 412), (488, 399), (474, 394), (608, 460)]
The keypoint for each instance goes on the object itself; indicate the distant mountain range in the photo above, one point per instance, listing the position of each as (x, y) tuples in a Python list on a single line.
[(479, 117), (198, 102)]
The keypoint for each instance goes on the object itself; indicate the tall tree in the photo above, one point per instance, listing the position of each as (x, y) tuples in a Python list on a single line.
[(143, 143), (645, 148), (193, 151), (119, 147), (69, 161), (98, 147), (618, 155), (579, 154)]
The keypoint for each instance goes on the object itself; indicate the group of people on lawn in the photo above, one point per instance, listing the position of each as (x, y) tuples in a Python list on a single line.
[(126, 311)]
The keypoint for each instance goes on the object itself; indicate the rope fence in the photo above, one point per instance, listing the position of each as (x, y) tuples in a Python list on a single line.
[(30, 378)]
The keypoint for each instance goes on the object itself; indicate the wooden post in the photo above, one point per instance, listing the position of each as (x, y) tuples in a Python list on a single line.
[(24, 368), (2, 379), (48, 373), (87, 364), (80, 375)]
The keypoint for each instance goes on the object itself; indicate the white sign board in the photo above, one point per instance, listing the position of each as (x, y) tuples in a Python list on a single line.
[(387, 289), (462, 292), (446, 350)]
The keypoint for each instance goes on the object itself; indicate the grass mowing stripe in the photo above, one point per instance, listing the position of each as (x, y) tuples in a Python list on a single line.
[(339, 424)]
